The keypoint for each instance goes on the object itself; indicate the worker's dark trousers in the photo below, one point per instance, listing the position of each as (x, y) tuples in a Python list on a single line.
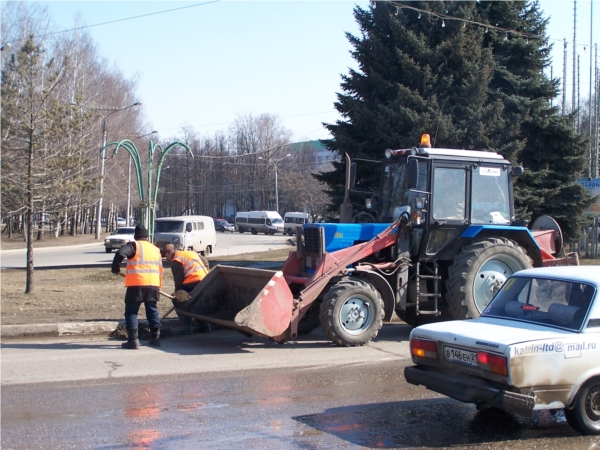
[(131, 313)]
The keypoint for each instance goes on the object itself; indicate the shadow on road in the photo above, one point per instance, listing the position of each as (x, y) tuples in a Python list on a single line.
[(435, 423)]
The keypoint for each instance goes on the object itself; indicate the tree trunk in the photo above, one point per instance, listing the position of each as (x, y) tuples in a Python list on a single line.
[(29, 227)]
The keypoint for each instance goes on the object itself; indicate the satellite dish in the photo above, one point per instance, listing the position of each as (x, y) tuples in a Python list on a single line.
[(544, 223)]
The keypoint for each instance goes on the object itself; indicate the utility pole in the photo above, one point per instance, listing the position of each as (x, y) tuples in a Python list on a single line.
[(551, 78), (596, 117), (590, 106), (578, 94), (564, 83), (574, 52)]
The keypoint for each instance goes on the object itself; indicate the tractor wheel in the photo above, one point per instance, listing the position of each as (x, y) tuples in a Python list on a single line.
[(310, 321), (479, 271), (352, 313), (253, 231), (585, 414)]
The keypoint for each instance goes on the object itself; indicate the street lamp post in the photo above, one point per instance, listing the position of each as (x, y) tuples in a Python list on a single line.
[(148, 202), (129, 181), (99, 208), (275, 162)]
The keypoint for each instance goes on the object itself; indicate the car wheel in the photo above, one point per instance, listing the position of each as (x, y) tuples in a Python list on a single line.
[(479, 271), (585, 414), (290, 232), (108, 250), (352, 313), (253, 231), (240, 229)]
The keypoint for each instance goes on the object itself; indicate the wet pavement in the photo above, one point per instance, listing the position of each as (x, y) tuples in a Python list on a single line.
[(362, 405)]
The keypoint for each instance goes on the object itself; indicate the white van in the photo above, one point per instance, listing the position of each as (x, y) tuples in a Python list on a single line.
[(293, 220), (241, 222), (195, 233), (268, 222)]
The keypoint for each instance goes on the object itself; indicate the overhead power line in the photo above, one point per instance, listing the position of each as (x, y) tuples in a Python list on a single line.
[(120, 20)]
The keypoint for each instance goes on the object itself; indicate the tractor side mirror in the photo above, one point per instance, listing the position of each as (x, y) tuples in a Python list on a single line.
[(412, 173), (517, 170)]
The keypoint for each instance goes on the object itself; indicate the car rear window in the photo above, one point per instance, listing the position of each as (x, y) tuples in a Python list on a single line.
[(543, 301)]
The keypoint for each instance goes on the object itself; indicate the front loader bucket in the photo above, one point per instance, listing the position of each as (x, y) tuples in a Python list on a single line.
[(252, 301)]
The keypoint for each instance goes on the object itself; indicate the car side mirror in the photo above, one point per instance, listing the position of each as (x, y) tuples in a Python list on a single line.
[(188, 227)]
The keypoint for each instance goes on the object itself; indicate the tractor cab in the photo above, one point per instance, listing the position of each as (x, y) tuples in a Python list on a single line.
[(444, 192)]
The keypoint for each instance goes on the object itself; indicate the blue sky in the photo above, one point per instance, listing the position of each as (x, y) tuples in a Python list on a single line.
[(202, 66)]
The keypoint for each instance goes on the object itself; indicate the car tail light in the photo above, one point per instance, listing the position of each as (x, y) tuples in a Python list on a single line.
[(423, 349), (493, 363)]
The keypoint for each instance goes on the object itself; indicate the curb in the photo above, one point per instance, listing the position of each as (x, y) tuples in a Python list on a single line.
[(41, 249), (39, 330)]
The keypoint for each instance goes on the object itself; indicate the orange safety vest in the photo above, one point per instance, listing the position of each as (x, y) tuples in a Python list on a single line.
[(145, 268), (193, 268)]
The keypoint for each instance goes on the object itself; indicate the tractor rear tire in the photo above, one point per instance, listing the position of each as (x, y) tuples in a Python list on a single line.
[(478, 272), (352, 313), (310, 321)]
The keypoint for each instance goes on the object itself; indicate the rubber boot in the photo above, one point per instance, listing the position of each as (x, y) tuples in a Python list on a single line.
[(155, 337), (203, 327), (132, 340), (186, 326)]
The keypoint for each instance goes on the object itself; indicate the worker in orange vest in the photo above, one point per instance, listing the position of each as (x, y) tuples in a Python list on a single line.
[(143, 278), (188, 270)]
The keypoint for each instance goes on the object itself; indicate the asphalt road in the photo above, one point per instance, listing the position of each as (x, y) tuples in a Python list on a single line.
[(222, 390), (94, 254)]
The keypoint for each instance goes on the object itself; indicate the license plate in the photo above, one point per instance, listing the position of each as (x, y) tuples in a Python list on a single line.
[(460, 356)]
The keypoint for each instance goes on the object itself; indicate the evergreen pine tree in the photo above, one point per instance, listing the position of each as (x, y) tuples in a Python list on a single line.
[(414, 76), (469, 86), (533, 133)]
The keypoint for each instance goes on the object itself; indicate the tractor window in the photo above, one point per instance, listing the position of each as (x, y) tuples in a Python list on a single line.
[(449, 193), (394, 190), (489, 203)]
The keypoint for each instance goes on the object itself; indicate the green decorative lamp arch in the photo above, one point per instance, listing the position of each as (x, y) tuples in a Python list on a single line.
[(148, 201)]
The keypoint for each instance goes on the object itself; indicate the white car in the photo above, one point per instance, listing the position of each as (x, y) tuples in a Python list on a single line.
[(536, 346), (119, 238)]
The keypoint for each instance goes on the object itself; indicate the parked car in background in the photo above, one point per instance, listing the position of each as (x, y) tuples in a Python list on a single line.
[(121, 222), (195, 233), (536, 346), (119, 238), (223, 225), (293, 220)]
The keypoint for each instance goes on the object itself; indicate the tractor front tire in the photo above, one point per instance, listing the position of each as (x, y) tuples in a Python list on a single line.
[(479, 271), (352, 313)]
